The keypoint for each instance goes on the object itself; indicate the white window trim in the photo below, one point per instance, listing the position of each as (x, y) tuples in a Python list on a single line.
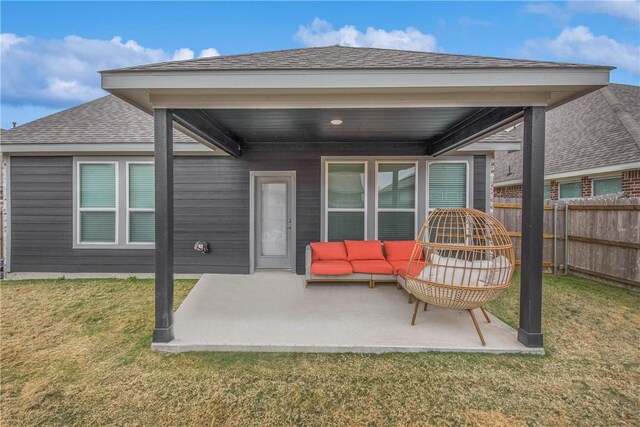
[(422, 182), (602, 178), (129, 209), (415, 197), (80, 209), (326, 196), (122, 196), (560, 184), (468, 189)]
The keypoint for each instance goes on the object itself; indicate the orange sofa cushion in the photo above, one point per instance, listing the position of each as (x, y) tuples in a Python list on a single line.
[(364, 249), (323, 251), (331, 268), (400, 267), (373, 266), (398, 250)]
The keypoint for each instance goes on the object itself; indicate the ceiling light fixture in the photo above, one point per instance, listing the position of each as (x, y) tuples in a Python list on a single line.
[(336, 122)]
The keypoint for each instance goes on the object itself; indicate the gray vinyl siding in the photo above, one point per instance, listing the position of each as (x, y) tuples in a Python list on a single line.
[(211, 203), (42, 223), (305, 160), (480, 182)]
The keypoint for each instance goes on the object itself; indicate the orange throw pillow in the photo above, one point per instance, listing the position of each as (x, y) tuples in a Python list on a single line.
[(398, 250), (328, 251), (364, 249)]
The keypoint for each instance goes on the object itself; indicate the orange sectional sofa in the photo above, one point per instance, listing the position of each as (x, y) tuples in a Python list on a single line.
[(358, 261)]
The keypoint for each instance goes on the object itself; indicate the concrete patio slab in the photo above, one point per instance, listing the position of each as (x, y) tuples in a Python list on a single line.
[(274, 312)]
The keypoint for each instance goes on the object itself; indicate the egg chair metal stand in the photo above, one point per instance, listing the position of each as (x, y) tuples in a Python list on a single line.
[(462, 259)]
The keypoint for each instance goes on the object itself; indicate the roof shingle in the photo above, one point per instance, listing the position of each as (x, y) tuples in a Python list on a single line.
[(583, 134), (105, 120), (342, 57)]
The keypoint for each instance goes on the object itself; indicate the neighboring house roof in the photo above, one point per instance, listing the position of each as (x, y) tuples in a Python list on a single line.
[(106, 120), (504, 136), (598, 130), (342, 57)]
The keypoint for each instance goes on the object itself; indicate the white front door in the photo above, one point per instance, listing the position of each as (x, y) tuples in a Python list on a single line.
[(274, 241)]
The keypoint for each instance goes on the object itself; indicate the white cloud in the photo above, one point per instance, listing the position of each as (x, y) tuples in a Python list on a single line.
[(182, 54), (581, 45), (8, 40), (549, 10), (63, 72), (322, 33), (204, 53), (629, 9)]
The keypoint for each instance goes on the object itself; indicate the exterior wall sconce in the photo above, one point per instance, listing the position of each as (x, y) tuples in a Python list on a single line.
[(201, 246)]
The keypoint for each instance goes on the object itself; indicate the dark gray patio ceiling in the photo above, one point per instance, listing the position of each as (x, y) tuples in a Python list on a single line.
[(313, 125), (230, 128)]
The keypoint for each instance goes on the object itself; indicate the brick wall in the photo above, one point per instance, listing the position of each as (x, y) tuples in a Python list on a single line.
[(630, 186), (508, 191), (555, 189), (516, 190), (585, 182), (631, 183)]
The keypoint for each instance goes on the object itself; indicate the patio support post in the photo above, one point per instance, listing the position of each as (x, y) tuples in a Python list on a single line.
[(530, 331), (163, 157)]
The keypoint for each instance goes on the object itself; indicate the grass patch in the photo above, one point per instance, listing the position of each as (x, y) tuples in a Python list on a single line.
[(77, 352)]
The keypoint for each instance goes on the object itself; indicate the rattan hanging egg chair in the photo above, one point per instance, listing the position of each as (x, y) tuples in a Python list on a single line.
[(462, 259)]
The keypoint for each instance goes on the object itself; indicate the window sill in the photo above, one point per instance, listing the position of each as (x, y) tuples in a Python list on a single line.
[(113, 246)]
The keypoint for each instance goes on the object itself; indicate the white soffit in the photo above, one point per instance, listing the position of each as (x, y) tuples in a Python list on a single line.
[(353, 88)]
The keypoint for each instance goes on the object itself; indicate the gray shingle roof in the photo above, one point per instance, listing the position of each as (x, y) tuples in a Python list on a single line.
[(103, 121), (585, 133), (342, 57), (504, 136)]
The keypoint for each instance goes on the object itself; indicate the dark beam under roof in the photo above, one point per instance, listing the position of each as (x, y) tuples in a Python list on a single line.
[(206, 127), (476, 125)]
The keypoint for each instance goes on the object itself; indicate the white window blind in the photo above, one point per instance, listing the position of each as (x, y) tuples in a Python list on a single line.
[(141, 203), (98, 197), (447, 185), (346, 201)]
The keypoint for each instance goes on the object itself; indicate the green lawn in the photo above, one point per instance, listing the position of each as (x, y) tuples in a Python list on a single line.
[(76, 352)]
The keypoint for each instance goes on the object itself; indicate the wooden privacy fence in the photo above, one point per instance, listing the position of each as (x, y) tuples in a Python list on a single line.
[(599, 236)]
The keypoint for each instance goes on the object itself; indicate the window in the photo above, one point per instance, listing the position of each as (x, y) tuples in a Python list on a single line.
[(114, 202), (570, 190), (447, 185), (388, 198), (98, 202), (346, 201), (607, 186), (547, 191), (396, 201), (140, 203)]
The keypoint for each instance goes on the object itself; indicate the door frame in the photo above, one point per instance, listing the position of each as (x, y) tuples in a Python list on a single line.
[(253, 175)]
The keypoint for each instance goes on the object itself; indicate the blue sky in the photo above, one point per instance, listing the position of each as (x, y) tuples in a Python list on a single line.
[(51, 52)]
